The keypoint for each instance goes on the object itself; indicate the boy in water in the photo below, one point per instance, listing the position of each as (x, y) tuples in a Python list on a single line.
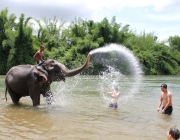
[(114, 97), (166, 99), (38, 55), (173, 134)]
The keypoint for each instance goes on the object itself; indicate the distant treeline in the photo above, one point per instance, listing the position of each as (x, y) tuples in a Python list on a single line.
[(70, 43)]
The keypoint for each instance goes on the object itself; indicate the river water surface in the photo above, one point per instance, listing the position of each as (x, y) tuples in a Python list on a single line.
[(80, 111)]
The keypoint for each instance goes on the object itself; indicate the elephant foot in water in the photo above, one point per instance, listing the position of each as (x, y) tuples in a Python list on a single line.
[(36, 102), (15, 98)]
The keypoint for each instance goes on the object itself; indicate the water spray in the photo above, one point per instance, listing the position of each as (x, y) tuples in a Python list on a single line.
[(122, 67)]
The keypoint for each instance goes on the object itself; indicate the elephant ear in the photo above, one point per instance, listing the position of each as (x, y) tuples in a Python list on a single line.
[(41, 74)]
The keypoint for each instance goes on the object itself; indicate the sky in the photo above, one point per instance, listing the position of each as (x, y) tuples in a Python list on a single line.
[(161, 17)]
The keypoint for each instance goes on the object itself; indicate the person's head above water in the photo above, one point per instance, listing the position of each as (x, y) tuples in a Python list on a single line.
[(173, 134), (164, 85), (115, 87)]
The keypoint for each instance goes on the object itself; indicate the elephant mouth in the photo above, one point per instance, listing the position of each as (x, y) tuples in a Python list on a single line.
[(59, 77)]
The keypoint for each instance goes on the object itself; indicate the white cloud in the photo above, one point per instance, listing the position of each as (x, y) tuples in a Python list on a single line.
[(158, 5), (165, 17), (166, 4), (149, 15)]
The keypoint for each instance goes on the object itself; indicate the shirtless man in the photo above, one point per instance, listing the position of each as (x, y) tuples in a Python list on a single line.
[(38, 55), (166, 99)]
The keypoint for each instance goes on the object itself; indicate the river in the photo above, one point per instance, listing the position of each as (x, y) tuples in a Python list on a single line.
[(80, 111)]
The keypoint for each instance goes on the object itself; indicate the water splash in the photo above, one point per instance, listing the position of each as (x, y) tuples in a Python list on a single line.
[(63, 92), (118, 57), (122, 68), (49, 98)]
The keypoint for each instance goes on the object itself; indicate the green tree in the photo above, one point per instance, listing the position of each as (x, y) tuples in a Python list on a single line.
[(156, 58), (7, 38), (23, 49), (174, 42), (50, 32)]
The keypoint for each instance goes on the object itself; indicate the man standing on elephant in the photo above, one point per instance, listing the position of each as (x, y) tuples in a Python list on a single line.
[(38, 55)]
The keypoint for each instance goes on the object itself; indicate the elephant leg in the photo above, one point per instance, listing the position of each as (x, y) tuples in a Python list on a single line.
[(14, 96), (35, 96), (36, 101)]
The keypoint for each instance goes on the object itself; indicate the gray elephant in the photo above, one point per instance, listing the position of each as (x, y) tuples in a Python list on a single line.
[(30, 80)]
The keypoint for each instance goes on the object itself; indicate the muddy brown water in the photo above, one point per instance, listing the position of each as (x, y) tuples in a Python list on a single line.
[(80, 111)]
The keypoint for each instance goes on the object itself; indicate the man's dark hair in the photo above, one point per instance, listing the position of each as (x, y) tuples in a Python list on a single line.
[(174, 133), (164, 85), (41, 46)]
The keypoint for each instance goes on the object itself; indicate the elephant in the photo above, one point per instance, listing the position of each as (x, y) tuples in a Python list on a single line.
[(34, 80)]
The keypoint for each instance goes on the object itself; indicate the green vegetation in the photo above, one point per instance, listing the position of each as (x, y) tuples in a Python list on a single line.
[(70, 44)]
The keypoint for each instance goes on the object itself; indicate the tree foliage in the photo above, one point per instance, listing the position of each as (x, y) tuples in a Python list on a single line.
[(7, 38), (70, 43)]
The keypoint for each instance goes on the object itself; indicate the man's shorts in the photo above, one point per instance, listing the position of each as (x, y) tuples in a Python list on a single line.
[(113, 105), (168, 110)]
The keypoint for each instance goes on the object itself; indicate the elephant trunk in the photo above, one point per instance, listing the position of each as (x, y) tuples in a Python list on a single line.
[(73, 72)]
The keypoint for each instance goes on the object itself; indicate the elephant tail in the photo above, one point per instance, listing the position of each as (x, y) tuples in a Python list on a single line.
[(6, 94)]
